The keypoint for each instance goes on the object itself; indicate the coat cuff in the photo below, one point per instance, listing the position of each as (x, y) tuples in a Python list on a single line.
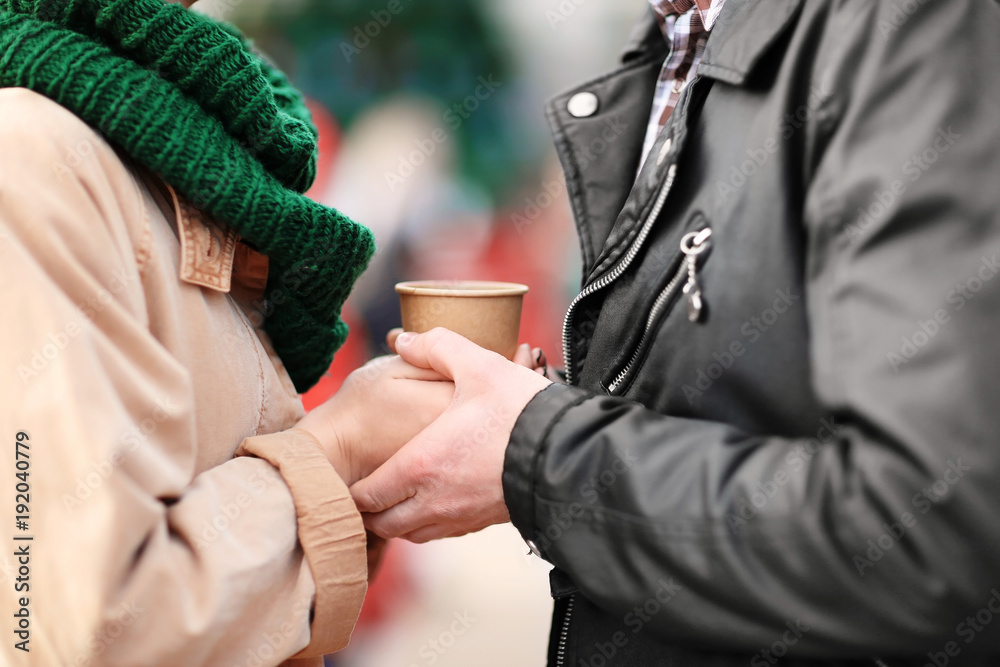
[(527, 447), (331, 533)]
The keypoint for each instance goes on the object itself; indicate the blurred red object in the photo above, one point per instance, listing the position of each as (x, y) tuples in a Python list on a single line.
[(353, 354), (392, 587), (329, 147), (392, 580)]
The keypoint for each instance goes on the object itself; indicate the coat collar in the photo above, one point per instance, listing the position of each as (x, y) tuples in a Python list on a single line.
[(742, 34)]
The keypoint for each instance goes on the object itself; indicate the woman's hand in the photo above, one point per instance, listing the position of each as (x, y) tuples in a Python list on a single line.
[(535, 359), (379, 408)]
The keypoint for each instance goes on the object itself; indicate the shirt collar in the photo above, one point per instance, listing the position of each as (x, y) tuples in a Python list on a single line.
[(708, 9)]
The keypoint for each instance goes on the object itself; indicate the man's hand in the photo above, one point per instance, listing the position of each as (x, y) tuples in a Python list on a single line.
[(447, 481), (379, 408), (527, 356)]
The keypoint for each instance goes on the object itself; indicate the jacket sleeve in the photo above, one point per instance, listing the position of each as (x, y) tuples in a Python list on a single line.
[(878, 533), (138, 558)]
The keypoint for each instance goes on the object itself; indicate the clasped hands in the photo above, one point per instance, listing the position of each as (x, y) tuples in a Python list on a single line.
[(420, 437)]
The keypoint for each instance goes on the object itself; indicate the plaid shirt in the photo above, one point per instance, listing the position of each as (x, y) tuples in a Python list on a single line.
[(686, 25)]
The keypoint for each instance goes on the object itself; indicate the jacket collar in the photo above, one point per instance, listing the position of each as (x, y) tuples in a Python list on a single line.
[(746, 29), (742, 34)]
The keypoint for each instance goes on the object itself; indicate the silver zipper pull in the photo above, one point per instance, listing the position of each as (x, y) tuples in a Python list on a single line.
[(692, 245)]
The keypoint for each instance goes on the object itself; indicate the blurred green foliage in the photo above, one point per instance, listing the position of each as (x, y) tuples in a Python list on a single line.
[(350, 54)]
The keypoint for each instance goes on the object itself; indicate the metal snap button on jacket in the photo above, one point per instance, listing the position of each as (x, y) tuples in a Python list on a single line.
[(582, 105)]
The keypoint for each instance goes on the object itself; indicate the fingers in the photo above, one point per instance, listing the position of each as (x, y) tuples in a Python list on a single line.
[(434, 531), (395, 367), (390, 338), (420, 519), (442, 350), (403, 519), (533, 358), (412, 520), (406, 525), (427, 533), (402, 370), (541, 362), (523, 356)]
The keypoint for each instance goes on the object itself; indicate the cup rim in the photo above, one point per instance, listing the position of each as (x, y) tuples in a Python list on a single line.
[(460, 288)]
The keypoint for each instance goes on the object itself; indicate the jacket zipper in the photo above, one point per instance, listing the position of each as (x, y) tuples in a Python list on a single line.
[(564, 634), (692, 245), (615, 273)]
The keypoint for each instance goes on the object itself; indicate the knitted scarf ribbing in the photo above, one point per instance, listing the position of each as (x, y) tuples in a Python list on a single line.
[(186, 97)]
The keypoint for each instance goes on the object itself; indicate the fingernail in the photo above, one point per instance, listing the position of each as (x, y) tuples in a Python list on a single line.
[(405, 339)]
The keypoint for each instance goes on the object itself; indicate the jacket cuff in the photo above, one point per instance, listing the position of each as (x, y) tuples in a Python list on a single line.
[(528, 444), (331, 533)]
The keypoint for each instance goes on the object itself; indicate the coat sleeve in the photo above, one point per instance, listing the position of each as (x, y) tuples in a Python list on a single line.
[(879, 531), (253, 561)]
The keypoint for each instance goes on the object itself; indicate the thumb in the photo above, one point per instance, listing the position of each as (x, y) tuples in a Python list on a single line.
[(443, 351), (390, 484), (390, 338)]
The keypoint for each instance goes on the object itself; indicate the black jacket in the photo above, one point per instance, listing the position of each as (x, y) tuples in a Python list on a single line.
[(804, 469)]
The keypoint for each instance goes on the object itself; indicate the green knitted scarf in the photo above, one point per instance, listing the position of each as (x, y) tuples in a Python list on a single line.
[(185, 96)]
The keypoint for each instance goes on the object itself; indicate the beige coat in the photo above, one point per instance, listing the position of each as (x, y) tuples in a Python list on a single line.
[(131, 361)]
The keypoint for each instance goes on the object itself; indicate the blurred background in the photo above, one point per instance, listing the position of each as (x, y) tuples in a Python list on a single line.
[(433, 133)]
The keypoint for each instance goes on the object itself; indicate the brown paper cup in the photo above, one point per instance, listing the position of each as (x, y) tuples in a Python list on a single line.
[(487, 313)]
